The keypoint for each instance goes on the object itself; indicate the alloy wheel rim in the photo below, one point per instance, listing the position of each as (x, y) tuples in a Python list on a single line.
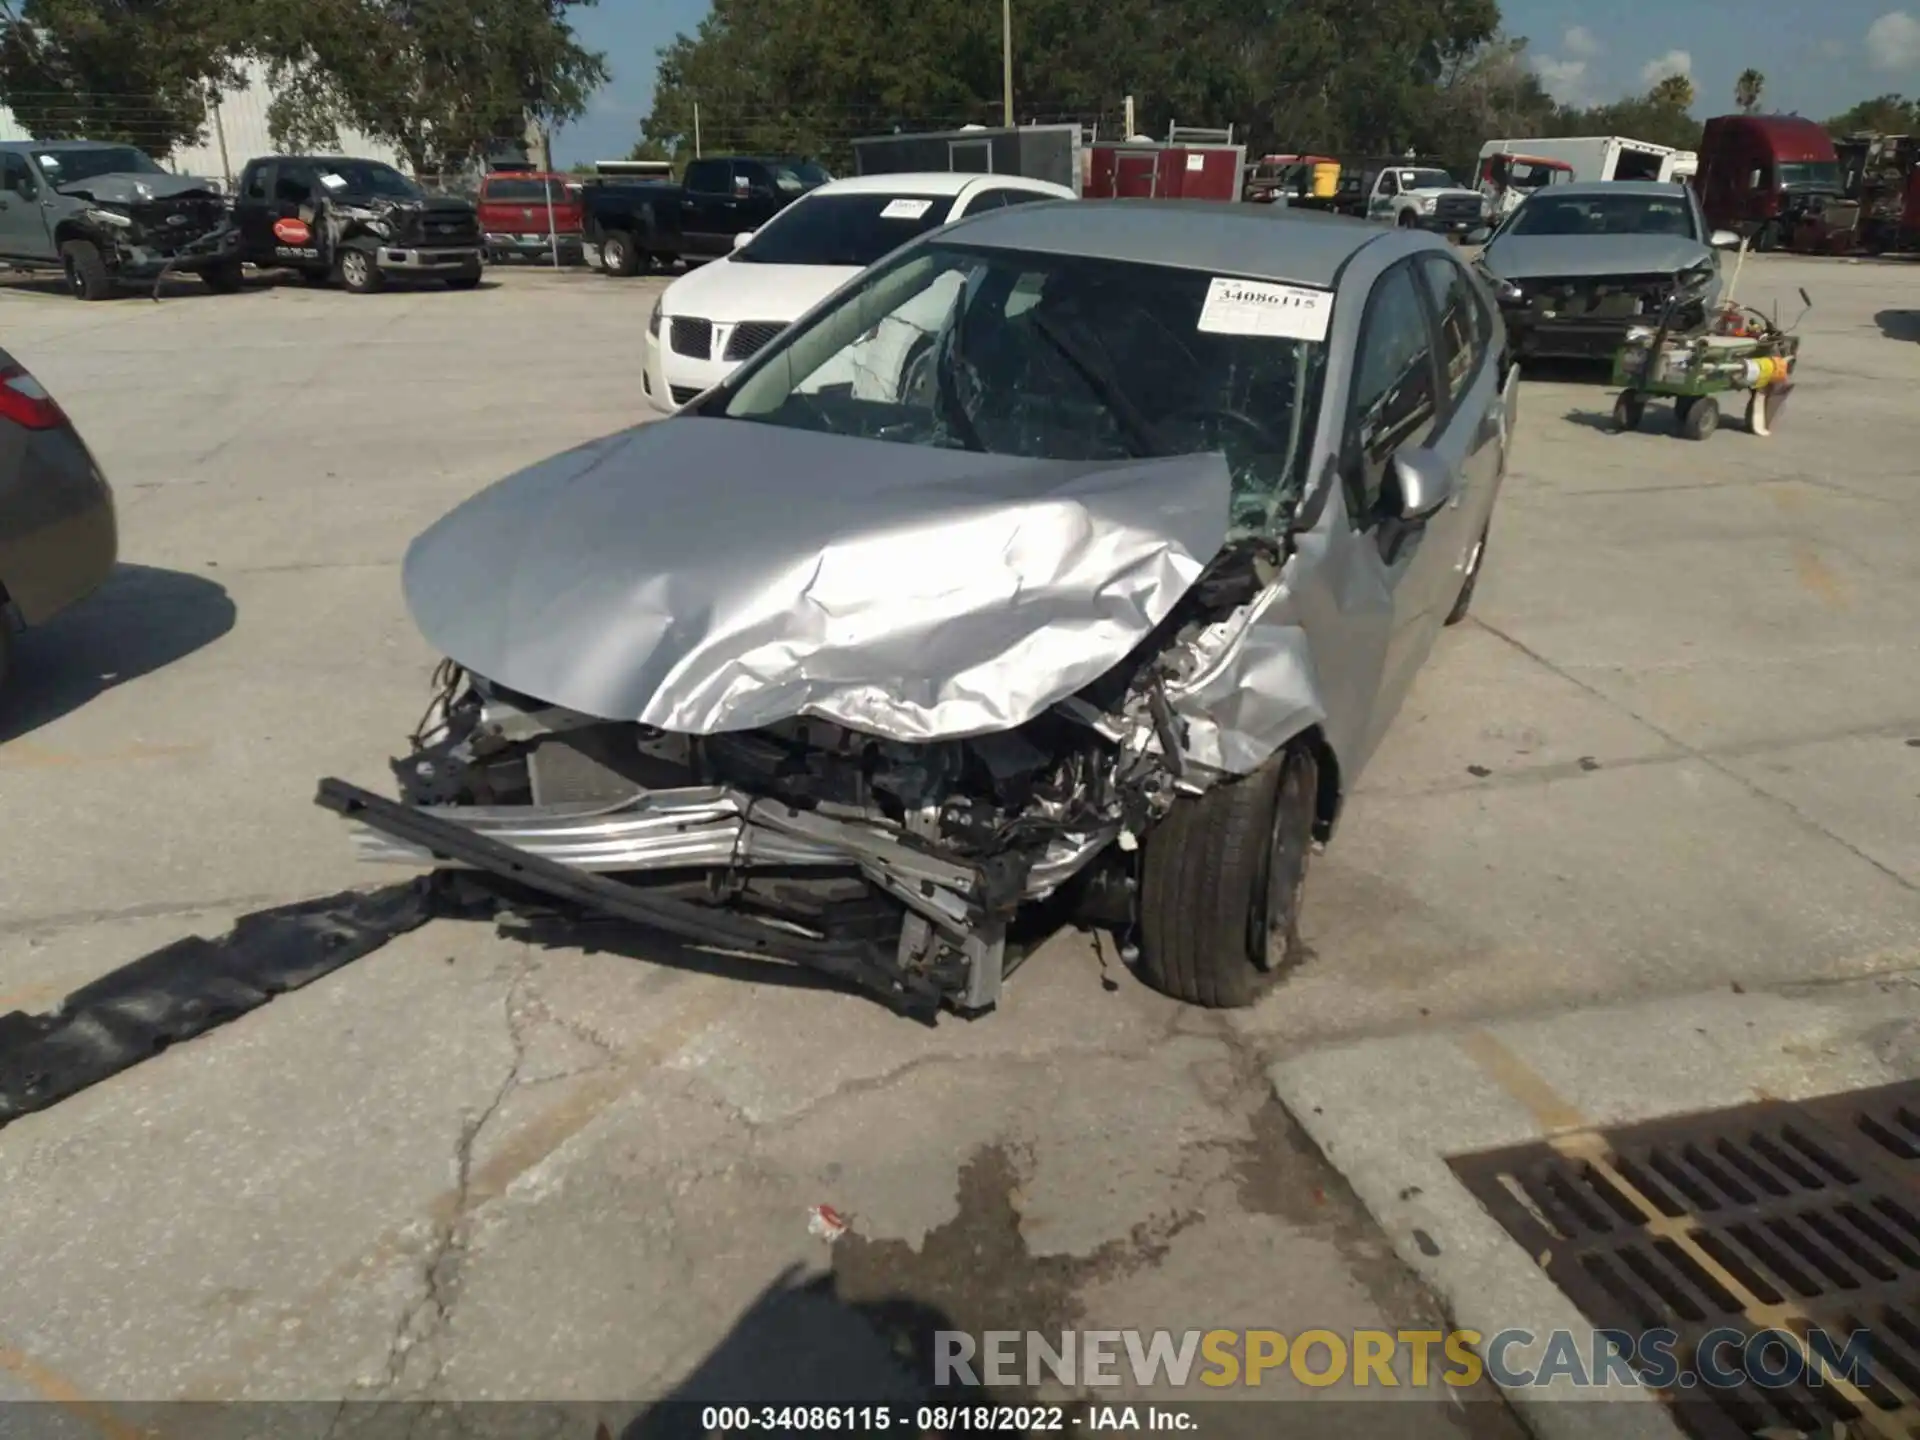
[(355, 266), (1286, 879)]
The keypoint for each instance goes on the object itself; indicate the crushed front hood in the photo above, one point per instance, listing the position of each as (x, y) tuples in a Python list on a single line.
[(705, 575), (133, 187), (1536, 257)]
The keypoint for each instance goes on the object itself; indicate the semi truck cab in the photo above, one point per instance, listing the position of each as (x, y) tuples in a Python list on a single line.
[(1761, 175)]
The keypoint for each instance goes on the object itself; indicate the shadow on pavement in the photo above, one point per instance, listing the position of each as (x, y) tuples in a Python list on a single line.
[(802, 1343), (143, 619), (1899, 324)]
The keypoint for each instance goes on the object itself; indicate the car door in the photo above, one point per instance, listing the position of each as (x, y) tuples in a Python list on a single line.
[(1473, 434), (708, 210), (1395, 407), (23, 219), (253, 212), (1386, 189)]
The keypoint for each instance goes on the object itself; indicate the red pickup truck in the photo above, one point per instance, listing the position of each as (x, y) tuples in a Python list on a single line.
[(515, 207)]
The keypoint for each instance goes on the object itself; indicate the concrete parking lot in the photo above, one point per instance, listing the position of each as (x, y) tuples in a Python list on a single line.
[(1677, 748)]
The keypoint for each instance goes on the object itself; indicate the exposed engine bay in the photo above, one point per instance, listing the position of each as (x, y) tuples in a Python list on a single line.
[(140, 221), (322, 226), (917, 855)]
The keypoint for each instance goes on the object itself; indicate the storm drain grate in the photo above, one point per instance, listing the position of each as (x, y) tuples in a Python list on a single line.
[(1796, 1219)]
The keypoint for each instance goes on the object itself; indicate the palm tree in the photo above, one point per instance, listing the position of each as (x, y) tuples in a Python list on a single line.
[(1746, 90)]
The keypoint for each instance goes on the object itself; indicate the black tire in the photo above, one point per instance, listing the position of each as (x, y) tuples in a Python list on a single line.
[(359, 272), (87, 277), (1628, 411), (466, 280), (1221, 883), (6, 645), (1464, 600), (226, 278), (1701, 418), (1406, 220), (619, 255), (1767, 237)]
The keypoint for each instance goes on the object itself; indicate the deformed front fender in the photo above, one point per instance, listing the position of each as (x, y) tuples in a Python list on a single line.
[(1256, 690)]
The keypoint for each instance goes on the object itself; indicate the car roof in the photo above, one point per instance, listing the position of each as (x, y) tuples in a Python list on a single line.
[(1651, 189), (70, 145), (1266, 242), (346, 159), (926, 182)]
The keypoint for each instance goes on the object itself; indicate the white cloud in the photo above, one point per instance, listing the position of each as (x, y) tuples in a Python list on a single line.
[(1833, 49), (1579, 43), (1564, 80), (1674, 62), (1893, 41)]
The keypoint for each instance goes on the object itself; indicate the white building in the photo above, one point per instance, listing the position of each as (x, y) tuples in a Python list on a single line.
[(236, 132)]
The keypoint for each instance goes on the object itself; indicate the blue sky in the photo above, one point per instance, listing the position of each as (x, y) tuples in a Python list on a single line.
[(1818, 59)]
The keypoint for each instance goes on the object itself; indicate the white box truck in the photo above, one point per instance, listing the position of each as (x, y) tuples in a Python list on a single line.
[(1602, 157)]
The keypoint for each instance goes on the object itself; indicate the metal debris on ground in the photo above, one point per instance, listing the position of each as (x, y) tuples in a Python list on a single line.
[(826, 1223), (1775, 1220)]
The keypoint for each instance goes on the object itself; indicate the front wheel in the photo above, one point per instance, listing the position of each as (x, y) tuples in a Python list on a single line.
[(1701, 418), (465, 280), (1221, 881), (86, 271), (359, 273), (1628, 411), (226, 278), (619, 255), (1407, 220)]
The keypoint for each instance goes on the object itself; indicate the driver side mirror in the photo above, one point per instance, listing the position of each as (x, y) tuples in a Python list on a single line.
[(1418, 484), (1724, 240), (740, 240)]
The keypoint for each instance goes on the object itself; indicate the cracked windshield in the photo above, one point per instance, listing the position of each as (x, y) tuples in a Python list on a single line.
[(1048, 358)]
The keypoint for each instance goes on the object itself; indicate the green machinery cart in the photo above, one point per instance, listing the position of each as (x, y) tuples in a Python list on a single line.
[(1695, 369), (1734, 350)]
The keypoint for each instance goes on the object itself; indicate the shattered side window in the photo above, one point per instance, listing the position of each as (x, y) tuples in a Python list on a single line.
[(1050, 357)]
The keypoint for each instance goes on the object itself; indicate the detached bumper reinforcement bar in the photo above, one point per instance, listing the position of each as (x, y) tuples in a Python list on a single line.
[(856, 962)]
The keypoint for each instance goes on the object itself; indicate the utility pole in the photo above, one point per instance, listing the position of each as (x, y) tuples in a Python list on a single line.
[(696, 129), (220, 133), (1006, 62)]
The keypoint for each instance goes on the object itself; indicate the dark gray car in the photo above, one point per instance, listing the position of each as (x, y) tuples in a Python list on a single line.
[(58, 539), (1098, 590), (1575, 266)]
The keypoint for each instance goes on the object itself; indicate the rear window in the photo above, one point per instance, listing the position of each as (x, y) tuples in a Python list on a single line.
[(853, 230), (524, 191)]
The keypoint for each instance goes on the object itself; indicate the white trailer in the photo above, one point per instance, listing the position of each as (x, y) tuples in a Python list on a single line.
[(1600, 157)]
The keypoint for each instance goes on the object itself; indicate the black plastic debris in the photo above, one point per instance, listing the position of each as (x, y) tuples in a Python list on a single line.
[(193, 985)]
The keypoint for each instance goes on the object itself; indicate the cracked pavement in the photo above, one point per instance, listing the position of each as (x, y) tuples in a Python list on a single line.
[(1670, 752)]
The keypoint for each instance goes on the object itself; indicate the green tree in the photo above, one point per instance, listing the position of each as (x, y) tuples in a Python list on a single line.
[(810, 75), (1747, 89), (138, 71), (1884, 115), (440, 80), (1661, 117)]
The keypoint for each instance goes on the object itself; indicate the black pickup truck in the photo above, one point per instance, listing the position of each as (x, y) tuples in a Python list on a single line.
[(654, 222), (359, 220)]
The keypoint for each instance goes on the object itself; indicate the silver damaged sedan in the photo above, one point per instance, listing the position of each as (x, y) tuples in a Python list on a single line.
[(1065, 566)]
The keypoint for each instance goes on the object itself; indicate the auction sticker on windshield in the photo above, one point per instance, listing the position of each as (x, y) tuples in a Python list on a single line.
[(1257, 307), (905, 209)]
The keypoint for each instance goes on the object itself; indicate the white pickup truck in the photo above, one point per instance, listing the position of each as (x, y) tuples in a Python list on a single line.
[(1421, 197)]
